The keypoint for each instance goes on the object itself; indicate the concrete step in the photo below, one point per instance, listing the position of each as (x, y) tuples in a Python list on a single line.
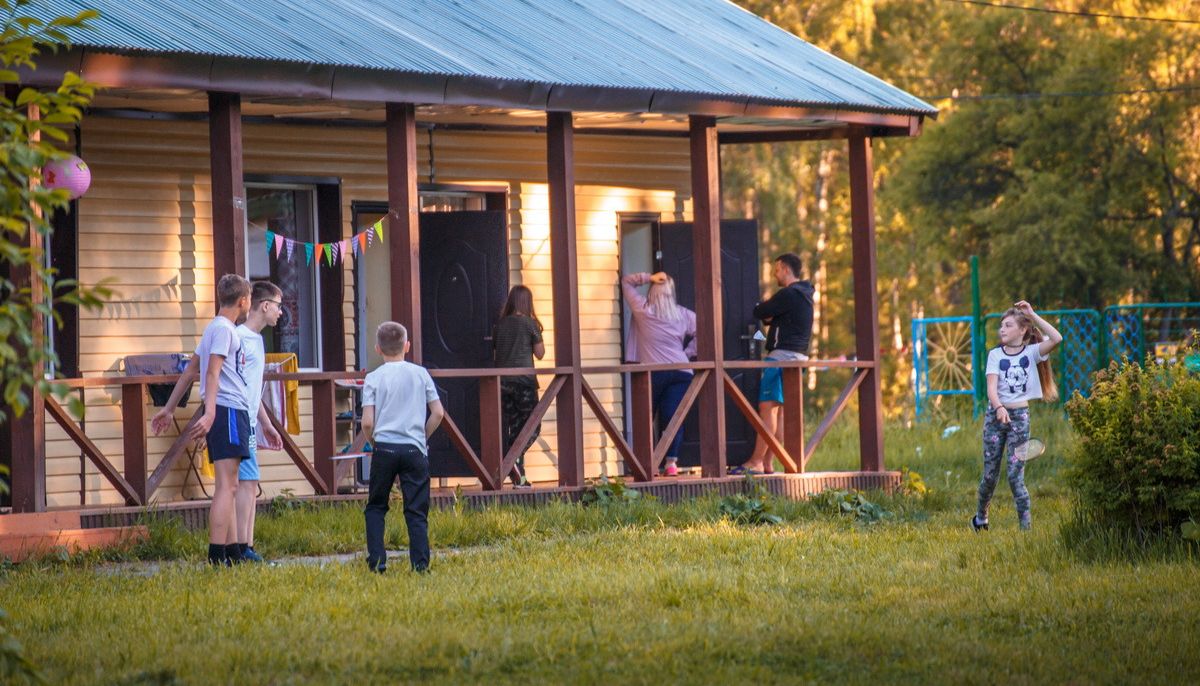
[(39, 522), (21, 546)]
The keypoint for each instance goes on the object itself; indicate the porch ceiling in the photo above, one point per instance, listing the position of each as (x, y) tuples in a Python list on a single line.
[(187, 103)]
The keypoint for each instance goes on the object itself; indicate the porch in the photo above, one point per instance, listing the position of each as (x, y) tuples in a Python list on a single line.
[(407, 110)]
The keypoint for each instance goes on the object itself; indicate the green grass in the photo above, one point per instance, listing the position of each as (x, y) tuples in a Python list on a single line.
[(648, 593)]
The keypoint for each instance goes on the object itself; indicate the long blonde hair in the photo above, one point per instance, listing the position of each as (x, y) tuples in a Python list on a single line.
[(1033, 337), (661, 301)]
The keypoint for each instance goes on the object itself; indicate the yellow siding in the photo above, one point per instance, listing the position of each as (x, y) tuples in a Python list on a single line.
[(145, 227)]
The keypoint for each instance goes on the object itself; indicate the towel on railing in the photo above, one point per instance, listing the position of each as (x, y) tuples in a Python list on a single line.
[(283, 397), (274, 395)]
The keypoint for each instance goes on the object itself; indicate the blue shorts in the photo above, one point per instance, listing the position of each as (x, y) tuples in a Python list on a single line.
[(229, 437), (248, 469), (770, 388)]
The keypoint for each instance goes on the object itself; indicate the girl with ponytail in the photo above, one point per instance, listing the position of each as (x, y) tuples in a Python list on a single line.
[(1018, 370)]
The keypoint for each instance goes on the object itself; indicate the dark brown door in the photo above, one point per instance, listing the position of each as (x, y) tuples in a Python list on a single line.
[(740, 292), (464, 281)]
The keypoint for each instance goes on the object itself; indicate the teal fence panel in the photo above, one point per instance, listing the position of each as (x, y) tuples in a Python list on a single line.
[(942, 354), (1133, 332)]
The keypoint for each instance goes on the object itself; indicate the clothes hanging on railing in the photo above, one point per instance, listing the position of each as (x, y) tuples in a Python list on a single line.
[(283, 397)]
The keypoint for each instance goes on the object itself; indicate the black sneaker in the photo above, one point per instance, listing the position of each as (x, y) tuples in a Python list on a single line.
[(251, 555), (977, 525)]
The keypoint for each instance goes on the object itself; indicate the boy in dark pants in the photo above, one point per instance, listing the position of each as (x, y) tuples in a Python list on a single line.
[(394, 419)]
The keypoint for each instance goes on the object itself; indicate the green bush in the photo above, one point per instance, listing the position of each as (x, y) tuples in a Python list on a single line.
[(1136, 465)]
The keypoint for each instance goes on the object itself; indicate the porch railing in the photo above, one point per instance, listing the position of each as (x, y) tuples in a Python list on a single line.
[(641, 456)]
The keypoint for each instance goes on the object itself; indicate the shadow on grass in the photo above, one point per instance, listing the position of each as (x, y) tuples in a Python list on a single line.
[(1090, 542)]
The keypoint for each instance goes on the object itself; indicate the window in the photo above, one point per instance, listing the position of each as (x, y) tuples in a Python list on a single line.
[(289, 211)]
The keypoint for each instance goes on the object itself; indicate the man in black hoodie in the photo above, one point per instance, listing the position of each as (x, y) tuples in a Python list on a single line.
[(789, 316)]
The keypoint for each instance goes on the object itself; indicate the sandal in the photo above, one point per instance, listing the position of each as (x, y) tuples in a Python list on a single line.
[(740, 470)]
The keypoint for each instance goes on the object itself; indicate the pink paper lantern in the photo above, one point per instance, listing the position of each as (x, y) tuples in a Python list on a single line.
[(70, 174)]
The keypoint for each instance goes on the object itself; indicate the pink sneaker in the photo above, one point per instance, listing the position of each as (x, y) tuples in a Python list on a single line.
[(671, 470)]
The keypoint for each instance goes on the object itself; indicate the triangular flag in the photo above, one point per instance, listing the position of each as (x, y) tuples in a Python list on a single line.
[(328, 254), (354, 244), (379, 229), (278, 245), (291, 245), (362, 241), (270, 242), (308, 252), (345, 243), (337, 252), (370, 235)]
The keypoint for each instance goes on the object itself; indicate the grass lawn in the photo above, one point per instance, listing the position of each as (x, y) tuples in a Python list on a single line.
[(647, 593)]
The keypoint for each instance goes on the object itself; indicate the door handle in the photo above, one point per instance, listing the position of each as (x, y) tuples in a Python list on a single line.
[(752, 342)]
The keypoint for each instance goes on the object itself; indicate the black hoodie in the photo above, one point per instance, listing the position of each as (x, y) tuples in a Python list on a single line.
[(791, 314)]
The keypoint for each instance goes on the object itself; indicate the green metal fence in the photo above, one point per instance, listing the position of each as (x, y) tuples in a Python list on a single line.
[(1091, 339)]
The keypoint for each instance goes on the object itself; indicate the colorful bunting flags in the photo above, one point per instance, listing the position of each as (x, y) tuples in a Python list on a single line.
[(333, 253)]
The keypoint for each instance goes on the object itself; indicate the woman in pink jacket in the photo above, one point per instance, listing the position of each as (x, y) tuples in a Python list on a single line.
[(663, 332)]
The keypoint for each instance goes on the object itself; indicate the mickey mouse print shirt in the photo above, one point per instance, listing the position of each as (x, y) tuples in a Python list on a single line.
[(1018, 380)]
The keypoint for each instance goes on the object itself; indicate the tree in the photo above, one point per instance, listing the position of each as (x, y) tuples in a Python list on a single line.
[(27, 143), (1070, 201)]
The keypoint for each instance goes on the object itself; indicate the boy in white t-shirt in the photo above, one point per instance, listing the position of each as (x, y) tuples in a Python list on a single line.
[(1018, 370), (401, 410), (264, 299), (225, 421), (265, 307)]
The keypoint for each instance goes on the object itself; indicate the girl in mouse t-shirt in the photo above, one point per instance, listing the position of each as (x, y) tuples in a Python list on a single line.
[(1018, 370)]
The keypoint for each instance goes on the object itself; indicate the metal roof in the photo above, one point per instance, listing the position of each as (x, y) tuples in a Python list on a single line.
[(707, 48)]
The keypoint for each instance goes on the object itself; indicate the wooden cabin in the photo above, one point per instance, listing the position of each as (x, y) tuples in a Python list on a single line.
[(434, 155)]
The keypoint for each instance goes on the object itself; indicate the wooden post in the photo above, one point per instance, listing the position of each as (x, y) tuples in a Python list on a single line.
[(560, 169), (324, 429), (706, 234), (491, 437), (26, 435), (404, 236), (642, 418), (133, 430), (793, 415), (228, 187), (866, 300)]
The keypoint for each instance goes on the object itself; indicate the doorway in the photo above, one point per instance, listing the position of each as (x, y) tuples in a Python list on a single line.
[(464, 281)]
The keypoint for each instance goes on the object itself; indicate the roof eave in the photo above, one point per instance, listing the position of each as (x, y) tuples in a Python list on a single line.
[(107, 67)]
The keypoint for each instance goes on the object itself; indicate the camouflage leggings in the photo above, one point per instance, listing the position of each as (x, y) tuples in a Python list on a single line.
[(998, 443), (518, 401)]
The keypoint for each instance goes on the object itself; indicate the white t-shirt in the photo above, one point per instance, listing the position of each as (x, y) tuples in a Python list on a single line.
[(400, 392), (1018, 374), (255, 353), (221, 338)]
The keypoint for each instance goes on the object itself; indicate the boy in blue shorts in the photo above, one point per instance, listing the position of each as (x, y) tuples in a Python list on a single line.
[(264, 311), (266, 303), (401, 410), (225, 424)]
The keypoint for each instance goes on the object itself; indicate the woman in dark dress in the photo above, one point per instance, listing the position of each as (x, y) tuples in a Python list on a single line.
[(517, 340)]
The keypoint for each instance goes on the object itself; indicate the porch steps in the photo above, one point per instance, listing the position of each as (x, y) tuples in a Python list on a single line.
[(23, 536), (39, 522)]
